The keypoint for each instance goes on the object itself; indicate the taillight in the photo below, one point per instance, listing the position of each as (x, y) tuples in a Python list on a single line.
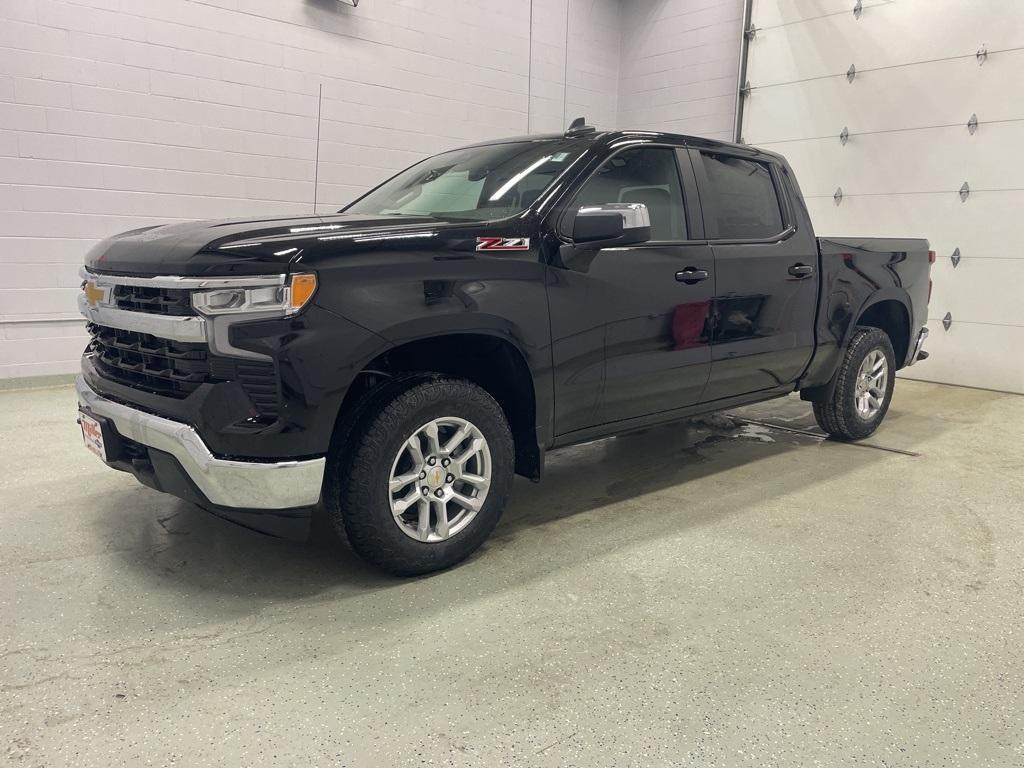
[(931, 257)]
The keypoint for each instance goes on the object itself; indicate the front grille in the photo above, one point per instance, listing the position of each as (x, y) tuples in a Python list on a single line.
[(176, 369), (155, 301), (146, 362)]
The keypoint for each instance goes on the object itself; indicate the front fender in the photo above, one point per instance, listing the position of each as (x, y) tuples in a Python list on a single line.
[(419, 297)]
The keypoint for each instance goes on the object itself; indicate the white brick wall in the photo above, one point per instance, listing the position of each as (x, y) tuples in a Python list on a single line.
[(679, 64), (115, 114)]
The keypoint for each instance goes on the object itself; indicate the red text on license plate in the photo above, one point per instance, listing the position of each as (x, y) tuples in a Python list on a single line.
[(93, 435)]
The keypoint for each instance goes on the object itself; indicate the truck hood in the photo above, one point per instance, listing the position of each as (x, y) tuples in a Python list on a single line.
[(236, 246)]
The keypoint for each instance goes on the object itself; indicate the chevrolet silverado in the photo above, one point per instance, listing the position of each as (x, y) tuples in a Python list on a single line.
[(399, 361)]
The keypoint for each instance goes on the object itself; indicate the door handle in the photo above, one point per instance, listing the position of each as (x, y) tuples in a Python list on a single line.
[(801, 270), (692, 276)]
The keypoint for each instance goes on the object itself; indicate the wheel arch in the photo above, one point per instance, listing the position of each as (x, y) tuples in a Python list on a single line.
[(889, 312), (488, 357)]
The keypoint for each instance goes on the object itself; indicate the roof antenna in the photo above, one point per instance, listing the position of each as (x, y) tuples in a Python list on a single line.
[(579, 127)]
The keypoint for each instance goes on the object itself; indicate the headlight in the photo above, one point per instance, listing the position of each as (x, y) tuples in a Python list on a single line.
[(277, 299)]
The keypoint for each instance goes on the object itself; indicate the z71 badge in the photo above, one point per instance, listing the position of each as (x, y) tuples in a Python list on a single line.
[(503, 243)]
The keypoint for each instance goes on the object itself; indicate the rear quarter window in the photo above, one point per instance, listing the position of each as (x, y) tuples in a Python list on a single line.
[(745, 198)]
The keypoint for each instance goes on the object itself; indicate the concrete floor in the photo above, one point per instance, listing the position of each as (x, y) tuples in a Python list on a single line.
[(717, 594)]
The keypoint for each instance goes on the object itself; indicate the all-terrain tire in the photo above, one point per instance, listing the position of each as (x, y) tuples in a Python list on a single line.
[(357, 497), (837, 413)]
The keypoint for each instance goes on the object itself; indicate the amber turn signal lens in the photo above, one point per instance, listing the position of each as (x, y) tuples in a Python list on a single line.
[(302, 289)]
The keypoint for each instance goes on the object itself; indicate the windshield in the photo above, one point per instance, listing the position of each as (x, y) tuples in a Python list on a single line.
[(473, 184)]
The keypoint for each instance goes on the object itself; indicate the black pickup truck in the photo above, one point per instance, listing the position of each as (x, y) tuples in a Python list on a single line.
[(399, 361)]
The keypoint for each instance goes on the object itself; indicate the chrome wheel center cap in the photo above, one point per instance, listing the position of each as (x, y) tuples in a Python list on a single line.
[(435, 478)]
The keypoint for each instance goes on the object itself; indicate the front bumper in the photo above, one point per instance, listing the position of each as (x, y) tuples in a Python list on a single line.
[(222, 483)]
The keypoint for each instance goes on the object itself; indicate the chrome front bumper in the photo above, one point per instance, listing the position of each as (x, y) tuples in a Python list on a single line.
[(918, 346), (224, 482)]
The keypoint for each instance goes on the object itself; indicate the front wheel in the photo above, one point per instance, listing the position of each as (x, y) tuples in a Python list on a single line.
[(424, 476), (862, 389)]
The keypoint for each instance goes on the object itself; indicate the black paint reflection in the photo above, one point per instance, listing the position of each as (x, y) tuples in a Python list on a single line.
[(691, 326), (737, 318)]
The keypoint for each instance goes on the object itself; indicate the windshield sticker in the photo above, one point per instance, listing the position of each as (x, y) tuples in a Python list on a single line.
[(503, 243)]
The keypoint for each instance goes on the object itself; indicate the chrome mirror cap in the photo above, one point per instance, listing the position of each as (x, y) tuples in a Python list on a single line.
[(634, 215)]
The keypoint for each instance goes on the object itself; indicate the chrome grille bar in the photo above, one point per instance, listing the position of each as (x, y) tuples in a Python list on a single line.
[(98, 304), (181, 283), (177, 328)]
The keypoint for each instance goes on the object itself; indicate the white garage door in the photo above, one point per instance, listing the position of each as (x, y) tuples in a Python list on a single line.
[(917, 81)]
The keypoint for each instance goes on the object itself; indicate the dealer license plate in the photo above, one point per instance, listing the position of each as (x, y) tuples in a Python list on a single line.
[(92, 433)]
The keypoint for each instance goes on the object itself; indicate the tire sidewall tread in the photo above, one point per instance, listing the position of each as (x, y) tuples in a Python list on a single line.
[(358, 504), (837, 413)]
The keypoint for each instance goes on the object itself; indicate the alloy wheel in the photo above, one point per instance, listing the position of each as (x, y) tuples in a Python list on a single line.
[(872, 382), (439, 479)]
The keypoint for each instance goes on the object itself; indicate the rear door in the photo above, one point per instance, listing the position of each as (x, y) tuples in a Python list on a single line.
[(649, 304), (766, 289)]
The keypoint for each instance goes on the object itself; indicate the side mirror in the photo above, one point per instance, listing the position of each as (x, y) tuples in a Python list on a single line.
[(611, 224)]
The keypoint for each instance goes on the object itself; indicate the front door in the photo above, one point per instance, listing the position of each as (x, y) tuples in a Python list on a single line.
[(647, 305)]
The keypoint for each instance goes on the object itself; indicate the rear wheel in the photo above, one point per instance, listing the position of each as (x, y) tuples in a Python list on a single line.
[(424, 476), (862, 388)]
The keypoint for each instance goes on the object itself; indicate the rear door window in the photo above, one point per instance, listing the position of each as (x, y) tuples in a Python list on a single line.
[(746, 204)]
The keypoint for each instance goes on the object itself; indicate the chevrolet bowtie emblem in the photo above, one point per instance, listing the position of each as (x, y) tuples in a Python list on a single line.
[(93, 294)]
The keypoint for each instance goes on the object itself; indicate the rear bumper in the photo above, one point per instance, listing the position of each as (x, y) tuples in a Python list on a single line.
[(918, 352), (223, 484)]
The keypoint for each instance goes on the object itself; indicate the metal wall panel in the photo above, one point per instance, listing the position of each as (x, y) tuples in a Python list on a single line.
[(906, 110)]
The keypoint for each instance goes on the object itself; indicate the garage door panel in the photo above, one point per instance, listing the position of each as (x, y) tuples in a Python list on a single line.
[(994, 160), (892, 162), (938, 159), (772, 13), (979, 227), (917, 84), (940, 93), (979, 290), (973, 355), (886, 35)]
